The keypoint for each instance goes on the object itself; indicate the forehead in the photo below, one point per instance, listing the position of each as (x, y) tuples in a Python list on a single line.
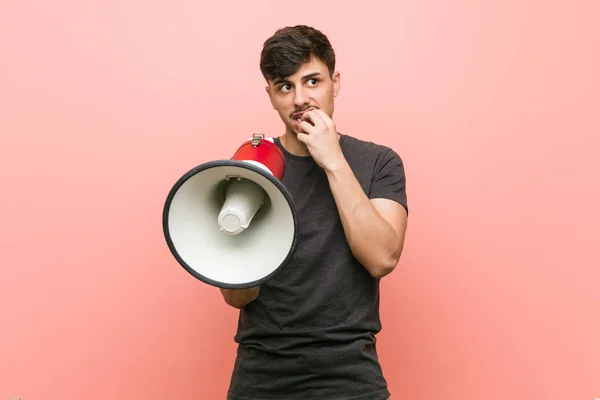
[(311, 68)]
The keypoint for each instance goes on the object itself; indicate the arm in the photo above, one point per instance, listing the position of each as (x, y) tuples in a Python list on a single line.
[(375, 229), (240, 298)]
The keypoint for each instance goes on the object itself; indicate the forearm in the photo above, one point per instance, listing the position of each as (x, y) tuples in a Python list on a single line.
[(240, 298), (373, 241)]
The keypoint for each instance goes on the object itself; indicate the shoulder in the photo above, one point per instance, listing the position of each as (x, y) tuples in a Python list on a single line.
[(353, 142), (364, 152), (371, 148), (380, 170)]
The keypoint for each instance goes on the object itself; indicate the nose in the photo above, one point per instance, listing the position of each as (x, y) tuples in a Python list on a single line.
[(301, 97)]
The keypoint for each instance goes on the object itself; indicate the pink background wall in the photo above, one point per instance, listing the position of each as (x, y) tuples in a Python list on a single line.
[(494, 107)]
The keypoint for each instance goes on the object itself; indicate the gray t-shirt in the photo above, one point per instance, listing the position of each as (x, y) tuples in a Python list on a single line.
[(310, 334)]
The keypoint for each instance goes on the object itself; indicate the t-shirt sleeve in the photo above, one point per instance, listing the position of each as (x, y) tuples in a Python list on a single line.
[(389, 180)]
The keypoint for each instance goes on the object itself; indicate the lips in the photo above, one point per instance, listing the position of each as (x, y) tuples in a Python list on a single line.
[(297, 116)]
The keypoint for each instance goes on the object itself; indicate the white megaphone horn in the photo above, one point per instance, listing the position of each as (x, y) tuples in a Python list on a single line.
[(232, 223)]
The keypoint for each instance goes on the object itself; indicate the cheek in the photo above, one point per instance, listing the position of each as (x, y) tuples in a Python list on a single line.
[(325, 96), (281, 106)]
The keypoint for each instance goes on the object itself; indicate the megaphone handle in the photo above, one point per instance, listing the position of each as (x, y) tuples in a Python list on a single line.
[(257, 137)]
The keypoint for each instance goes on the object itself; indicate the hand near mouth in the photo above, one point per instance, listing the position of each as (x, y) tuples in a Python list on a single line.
[(298, 117), (319, 134)]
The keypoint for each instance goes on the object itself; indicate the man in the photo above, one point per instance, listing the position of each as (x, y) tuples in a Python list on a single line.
[(309, 332)]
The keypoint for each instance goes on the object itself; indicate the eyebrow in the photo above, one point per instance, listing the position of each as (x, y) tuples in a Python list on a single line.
[(279, 81)]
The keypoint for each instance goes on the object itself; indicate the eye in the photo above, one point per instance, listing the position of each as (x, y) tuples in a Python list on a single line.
[(313, 81), (284, 88)]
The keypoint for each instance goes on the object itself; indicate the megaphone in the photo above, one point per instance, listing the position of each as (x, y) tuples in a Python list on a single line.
[(232, 223)]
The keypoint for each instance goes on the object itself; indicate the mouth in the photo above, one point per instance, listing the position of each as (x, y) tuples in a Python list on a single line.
[(297, 117)]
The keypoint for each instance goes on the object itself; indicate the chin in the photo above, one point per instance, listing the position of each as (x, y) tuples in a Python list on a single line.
[(293, 129)]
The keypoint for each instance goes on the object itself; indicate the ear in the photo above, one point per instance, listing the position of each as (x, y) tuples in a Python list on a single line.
[(335, 78), (268, 90)]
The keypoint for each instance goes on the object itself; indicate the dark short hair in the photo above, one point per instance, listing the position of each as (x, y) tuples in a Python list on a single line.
[(289, 47)]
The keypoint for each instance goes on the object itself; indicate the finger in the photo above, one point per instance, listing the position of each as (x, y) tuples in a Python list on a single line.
[(314, 117), (307, 127), (325, 118), (302, 137)]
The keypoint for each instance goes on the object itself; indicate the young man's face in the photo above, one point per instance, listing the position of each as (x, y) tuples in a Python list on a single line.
[(310, 87)]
